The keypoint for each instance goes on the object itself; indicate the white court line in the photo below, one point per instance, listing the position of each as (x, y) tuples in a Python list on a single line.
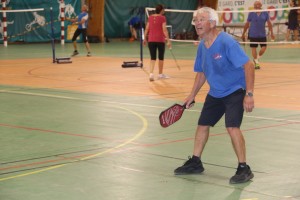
[(273, 119), (132, 104), (191, 110), (45, 95)]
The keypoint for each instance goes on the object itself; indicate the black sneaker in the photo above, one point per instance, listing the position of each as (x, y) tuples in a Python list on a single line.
[(75, 53), (190, 167), (242, 175)]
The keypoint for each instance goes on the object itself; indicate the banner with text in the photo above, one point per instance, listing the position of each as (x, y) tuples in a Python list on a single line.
[(238, 6)]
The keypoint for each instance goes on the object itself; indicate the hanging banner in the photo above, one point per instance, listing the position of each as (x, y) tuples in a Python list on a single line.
[(238, 6), (35, 26)]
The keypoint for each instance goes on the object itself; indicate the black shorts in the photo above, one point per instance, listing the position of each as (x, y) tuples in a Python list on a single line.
[(258, 40), (78, 32), (231, 105), (154, 47), (293, 25)]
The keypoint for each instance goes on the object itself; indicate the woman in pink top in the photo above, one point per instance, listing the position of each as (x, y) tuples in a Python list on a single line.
[(156, 34)]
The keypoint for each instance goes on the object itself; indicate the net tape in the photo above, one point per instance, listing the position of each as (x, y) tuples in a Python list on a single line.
[(22, 10), (225, 11)]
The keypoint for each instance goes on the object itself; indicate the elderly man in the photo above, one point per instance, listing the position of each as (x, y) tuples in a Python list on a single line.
[(230, 74)]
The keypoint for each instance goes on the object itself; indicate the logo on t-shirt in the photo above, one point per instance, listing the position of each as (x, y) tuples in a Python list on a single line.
[(217, 56)]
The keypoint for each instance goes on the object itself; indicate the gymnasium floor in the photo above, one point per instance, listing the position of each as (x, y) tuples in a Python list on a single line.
[(89, 130)]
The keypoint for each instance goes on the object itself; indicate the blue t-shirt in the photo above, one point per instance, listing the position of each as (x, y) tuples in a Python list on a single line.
[(81, 16), (222, 64), (257, 24), (133, 21)]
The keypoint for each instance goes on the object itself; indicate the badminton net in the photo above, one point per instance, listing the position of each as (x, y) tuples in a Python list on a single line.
[(231, 20), (185, 39)]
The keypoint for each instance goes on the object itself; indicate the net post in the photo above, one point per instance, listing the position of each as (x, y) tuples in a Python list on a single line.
[(4, 20), (141, 32), (52, 35), (141, 36), (62, 23)]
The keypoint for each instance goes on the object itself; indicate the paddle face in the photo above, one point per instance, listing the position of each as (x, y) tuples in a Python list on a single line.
[(171, 115)]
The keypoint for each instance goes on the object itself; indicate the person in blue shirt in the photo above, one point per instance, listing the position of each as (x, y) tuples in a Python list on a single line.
[(221, 62), (256, 22), (82, 21), (134, 25)]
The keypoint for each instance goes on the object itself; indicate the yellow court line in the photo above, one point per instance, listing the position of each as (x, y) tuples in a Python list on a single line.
[(30, 173), (140, 133)]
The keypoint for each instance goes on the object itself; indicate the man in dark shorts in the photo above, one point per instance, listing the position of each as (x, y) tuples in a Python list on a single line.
[(257, 32), (82, 21), (292, 23), (230, 74)]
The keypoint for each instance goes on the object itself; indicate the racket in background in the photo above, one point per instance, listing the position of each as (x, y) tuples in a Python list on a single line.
[(174, 58)]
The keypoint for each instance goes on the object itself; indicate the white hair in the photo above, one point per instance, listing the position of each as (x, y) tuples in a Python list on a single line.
[(212, 14)]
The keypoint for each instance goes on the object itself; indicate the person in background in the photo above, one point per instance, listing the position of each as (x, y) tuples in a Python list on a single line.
[(134, 25), (256, 23), (230, 74), (156, 34), (292, 23), (82, 21)]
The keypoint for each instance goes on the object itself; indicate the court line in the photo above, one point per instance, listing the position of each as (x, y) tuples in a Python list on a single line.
[(46, 95), (213, 135), (137, 145), (118, 148), (129, 104), (136, 136), (51, 131), (87, 156), (191, 110)]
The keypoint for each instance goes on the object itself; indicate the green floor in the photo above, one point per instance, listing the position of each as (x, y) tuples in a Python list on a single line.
[(67, 145)]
